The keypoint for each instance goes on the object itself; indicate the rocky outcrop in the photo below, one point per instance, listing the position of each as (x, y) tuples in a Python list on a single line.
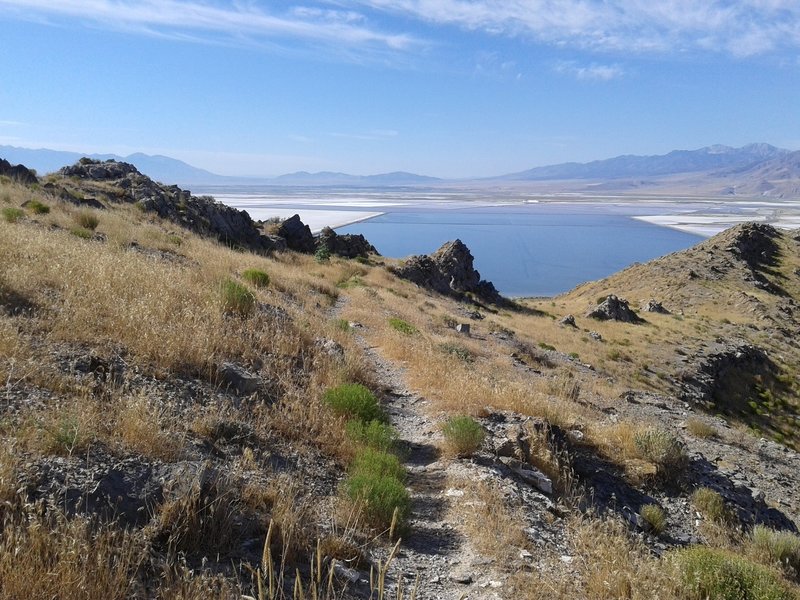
[(200, 214), (727, 377), (347, 246), (449, 271), (19, 173), (614, 309), (754, 244), (297, 234)]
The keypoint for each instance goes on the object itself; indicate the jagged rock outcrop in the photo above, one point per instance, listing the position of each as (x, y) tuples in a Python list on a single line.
[(449, 271), (200, 214), (19, 173), (614, 309), (754, 243), (297, 234), (348, 245), (727, 377)]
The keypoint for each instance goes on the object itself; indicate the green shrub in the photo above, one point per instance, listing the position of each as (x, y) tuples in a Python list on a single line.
[(87, 220), (710, 504), (343, 324), (402, 326), (378, 463), (256, 277), (322, 255), (664, 450), (545, 346), (354, 401), (381, 495), (38, 208), (12, 214), (463, 435), (82, 233), (654, 517), (781, 547), (375, 434), (236, 298), (458, 351), (713, 573)]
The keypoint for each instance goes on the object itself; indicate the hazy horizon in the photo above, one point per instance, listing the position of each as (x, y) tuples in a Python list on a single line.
[(444, 88)]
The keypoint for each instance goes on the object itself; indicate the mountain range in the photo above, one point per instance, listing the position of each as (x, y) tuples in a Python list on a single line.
[(752, 170)]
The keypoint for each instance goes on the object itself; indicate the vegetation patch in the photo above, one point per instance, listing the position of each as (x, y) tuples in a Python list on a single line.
[(236, 298), (86, 220), (373, 434), (82, 233), (38, 208), (11, 214), (256, 277), (699, 428), (664, 450), (719, 574), (711, 505), (354, 401), (779, 547), (463, 435), (402, 326), (654, 517)]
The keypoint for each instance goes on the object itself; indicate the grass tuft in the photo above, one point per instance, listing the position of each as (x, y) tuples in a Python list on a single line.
[(664, 450), (779, 547), (354, 401), (710, 504), (256, 277), (374, 434), (87, 220), (402, 326), (463, 435), (654, 517), (11, 214), (38, 208), (236, 298), (701, 429)]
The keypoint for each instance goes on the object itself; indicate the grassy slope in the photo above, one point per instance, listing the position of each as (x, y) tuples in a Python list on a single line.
[(155, 306)]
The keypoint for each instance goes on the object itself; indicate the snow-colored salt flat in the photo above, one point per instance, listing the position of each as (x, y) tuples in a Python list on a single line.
[(315, 219), (708, 225)]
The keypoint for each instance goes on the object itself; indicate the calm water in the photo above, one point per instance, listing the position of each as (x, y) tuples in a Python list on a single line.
[(528, 250)]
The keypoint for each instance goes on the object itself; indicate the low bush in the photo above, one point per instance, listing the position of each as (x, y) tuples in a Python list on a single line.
[(710, 504), (38, 208), (382, 496), (463, 435), (87, 220), (664, 450), (458, 351), (402, 326), (654, 517), (322, 255), (722, 575), (11, 214), (780, 547), (374, 434), (236, 298), (699, 428), (82, 233), (378, 463), (354, 401), (256, 277)]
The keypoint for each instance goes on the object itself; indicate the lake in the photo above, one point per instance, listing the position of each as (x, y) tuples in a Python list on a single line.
[(528, 250)]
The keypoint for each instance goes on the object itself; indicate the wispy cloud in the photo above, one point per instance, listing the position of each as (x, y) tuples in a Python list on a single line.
[(372, 135), (6, 123), (197, 20), (738, 27), (591, 72)]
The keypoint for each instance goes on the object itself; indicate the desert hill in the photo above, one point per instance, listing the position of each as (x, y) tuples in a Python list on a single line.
[(185, 414)]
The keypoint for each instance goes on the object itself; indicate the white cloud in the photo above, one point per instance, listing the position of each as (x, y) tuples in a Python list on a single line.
[(738, 27), (198, 20), (591, 72)]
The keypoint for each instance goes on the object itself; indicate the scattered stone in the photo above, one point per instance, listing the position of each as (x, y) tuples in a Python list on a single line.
[(595, 336), (654, 306), (330, 347), (461, 576), (568, 321), (614, 309), (463, 328), (351, 575), (238, 379)]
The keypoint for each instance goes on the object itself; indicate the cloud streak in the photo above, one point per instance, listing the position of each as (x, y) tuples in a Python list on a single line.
[(591, 72), (737, 27), (203, 21)]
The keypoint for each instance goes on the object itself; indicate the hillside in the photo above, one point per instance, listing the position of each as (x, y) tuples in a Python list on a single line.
[(184, 416)]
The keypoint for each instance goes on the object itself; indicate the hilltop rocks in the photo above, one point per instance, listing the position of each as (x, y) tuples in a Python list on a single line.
[(200, 214), (614, 309), (297, 234), (347, 246), (754, 244), (448, 271), (19, 173)]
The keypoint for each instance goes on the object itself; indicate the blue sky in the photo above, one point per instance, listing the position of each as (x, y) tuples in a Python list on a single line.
[(452, 88)]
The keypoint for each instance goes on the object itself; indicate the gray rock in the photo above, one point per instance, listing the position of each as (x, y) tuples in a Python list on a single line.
[(461, 576), (19, 173), (568, 321), (330, 347), (614, 309), (237, 379), (297, 235), (347, 246), (463, 328), (654, 306), (595, 336)]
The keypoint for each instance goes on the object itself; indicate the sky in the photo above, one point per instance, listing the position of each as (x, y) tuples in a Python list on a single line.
[(448, 88)]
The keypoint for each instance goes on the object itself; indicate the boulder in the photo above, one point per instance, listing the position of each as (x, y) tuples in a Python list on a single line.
[(237, 379), (753, 243), (348, 245), (19, 173), (614, 309), (449, 271), (297, 234), (654, 306), (568, 321)]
